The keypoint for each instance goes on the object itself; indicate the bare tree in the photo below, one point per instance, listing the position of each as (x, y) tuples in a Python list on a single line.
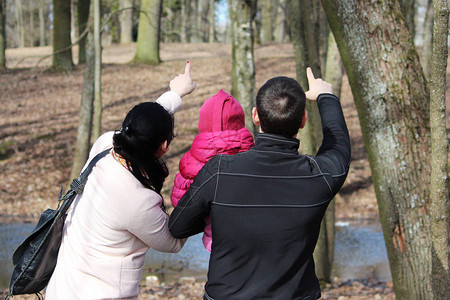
[(427, 40), (392, 99), (41, 23), (20, 24), (266, 21), (83, 8), (242, 14), (62, 44), (149, 32), (280, 22), (439, 206), (409, 10), (2, 35), (211, 21), (97, 122), (126, 22)]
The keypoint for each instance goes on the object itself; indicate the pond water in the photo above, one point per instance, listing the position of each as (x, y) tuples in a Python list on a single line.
[(360, 253)]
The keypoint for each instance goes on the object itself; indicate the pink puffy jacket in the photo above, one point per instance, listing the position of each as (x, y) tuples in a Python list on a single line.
[(222, 130)]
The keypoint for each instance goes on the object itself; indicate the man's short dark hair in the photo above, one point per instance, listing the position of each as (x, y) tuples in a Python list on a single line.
[(280, 103)]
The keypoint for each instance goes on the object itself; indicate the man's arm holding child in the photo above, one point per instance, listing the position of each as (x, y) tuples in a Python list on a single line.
[(188, 217)]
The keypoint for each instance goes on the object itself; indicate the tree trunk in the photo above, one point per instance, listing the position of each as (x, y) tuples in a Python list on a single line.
[(211, 21), (20, 25), (183, 22), (83, 16), (126, 22), (41, 23), (409, 11), (280, 22), (97, 123), (427, 40), (2, 35), (392, 102), (324, 254), (439, 206), (62, 51), (266, 21), (83, 144), (147, 51), (31, 31), (242, 14), (304, 33)]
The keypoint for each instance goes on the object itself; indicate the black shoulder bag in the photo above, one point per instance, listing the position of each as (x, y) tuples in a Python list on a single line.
[(35, 259)]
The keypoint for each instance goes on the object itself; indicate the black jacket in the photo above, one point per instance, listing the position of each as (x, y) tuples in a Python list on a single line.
[(266, 206)]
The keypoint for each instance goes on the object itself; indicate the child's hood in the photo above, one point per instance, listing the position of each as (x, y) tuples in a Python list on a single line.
[(221, 112)]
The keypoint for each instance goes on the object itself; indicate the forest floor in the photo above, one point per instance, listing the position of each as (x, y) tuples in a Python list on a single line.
[(39, 118)]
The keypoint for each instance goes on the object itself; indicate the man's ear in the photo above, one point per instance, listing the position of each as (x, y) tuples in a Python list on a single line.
[(255, 117), (304, 119)]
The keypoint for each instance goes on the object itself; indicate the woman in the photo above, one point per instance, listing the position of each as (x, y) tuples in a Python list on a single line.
[(119, 215)]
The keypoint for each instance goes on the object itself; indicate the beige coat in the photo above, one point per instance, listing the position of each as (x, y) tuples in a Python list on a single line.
[(108, 230)]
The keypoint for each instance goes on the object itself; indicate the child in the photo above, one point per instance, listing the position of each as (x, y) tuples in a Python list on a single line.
[(221, 128)]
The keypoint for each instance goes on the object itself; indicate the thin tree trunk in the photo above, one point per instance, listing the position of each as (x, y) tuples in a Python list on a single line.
[(242, 14), (83, 8), (62, 57), (439, 206), (20, 25), (149, 32), (409, 11), (280, 23), (183, 22), (211, 21), (126, 22), (32, 30), (86, 109), (427, 40), (41, 23), (392, 101), (266, 21), (97, 123), (2, 35)]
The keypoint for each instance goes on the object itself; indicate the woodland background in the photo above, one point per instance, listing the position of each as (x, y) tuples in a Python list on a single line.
[(43, 79)]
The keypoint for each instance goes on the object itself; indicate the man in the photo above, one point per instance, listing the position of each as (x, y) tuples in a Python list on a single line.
[(266, 204)]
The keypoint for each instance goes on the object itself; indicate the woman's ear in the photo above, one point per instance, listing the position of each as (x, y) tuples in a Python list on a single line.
[(162, 149), (255, 117)]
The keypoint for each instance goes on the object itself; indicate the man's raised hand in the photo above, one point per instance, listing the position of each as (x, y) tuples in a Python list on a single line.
[(317, 86)]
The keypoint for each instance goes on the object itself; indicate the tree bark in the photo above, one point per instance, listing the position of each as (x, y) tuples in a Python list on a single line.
[(62, 57), (409, 11), (126, 22), (280, 22), (147, 51), (2, 35), (439, 207), (83, 17), (392, 102), (184, 38), (83, 144), (41, 23), (242, 14), (20, 25), (97, 122), (266, 21), (427, 40), (211, 21)]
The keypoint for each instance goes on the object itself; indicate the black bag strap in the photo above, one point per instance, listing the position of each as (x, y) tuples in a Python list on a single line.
[(77, 185)]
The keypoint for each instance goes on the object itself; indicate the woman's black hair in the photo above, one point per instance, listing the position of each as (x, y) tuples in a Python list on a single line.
[(144, 130)]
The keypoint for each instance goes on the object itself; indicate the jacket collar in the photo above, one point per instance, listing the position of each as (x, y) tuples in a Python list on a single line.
[(276, 143)]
